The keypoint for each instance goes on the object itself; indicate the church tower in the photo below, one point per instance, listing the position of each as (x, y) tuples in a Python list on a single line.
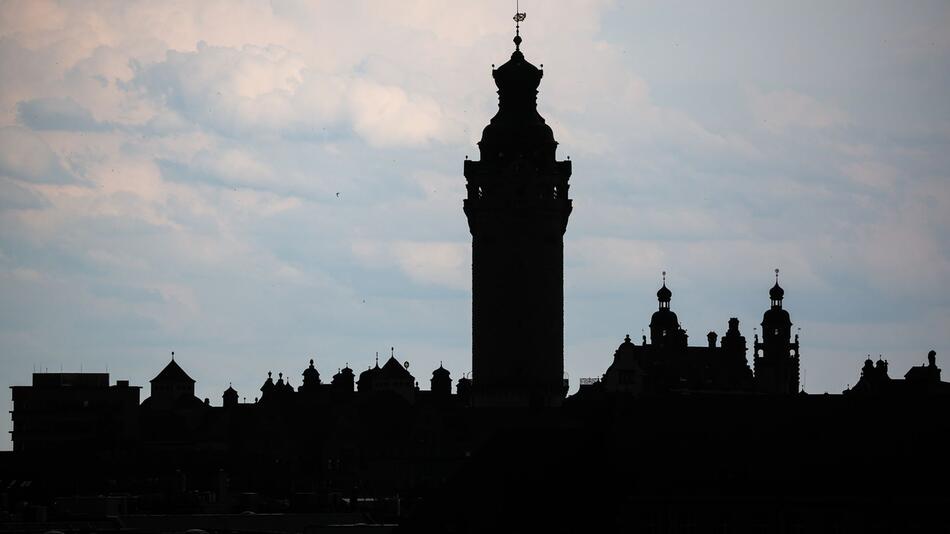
[(517, 207), (777, 369)]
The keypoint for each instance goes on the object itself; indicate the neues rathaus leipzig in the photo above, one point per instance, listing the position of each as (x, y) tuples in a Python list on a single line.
[(717, 436)]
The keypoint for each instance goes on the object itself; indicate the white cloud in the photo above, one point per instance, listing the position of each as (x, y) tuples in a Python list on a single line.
[(427, 263), (207, 212), (26, 156)]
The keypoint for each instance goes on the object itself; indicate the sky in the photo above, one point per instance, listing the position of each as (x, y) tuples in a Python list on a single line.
[(254, 184)]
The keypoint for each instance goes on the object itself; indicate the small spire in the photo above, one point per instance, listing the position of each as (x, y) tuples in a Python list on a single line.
[(518, 18), (377, 358), (776, 276), (311, 362)]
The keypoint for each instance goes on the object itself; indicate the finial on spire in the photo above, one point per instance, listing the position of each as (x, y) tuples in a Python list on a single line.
[(776, 276), (392, 352), (173, 355), (377, 358), (518, 18)]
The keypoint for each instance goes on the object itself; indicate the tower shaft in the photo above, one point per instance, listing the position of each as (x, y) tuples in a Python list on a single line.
[(517, 207)]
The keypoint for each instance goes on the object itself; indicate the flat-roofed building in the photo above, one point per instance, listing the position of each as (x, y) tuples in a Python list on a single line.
[(73, 410)]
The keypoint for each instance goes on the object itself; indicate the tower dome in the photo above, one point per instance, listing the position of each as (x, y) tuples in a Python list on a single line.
[(517, 130), (776, 294), (311, 377), (441, 382), (664, 294), (268, 386)]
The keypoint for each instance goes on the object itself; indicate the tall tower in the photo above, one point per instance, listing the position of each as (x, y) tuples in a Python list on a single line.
[(517, 208), (776, 371)]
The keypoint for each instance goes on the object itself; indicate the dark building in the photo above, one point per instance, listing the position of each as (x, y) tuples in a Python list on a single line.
[(671, 439), (777, 369), (517, 207), (919, 381), (74, 411), (667, 364), (171, 387)]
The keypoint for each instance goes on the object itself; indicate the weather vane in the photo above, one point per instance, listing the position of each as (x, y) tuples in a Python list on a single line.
[(518, 18)]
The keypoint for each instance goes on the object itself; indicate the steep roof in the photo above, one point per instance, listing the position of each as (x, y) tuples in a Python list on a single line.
[(393, 369), (172, 373)]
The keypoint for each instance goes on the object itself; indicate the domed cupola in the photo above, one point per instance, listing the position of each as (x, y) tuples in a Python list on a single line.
[(311, 377), (343, 380), (230, 397), (368, 377), (776, 322), (441, 382), (664, 295), (268, 386), (517, 130), (776, 317), (776, 294), (664, 325)]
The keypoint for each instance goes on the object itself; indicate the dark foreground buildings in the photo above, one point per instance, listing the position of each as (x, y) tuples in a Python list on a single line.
[(672, 438)]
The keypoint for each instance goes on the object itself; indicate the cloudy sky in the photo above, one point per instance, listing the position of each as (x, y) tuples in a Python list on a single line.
[(252, 184)]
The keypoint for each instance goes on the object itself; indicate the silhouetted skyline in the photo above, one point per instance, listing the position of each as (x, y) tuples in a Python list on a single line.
[(670, 437), (220, 184)]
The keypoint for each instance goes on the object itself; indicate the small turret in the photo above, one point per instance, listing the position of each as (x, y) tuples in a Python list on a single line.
[(311, 378), (441, 382), (343, 380), (230, 397), (268, 386)]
